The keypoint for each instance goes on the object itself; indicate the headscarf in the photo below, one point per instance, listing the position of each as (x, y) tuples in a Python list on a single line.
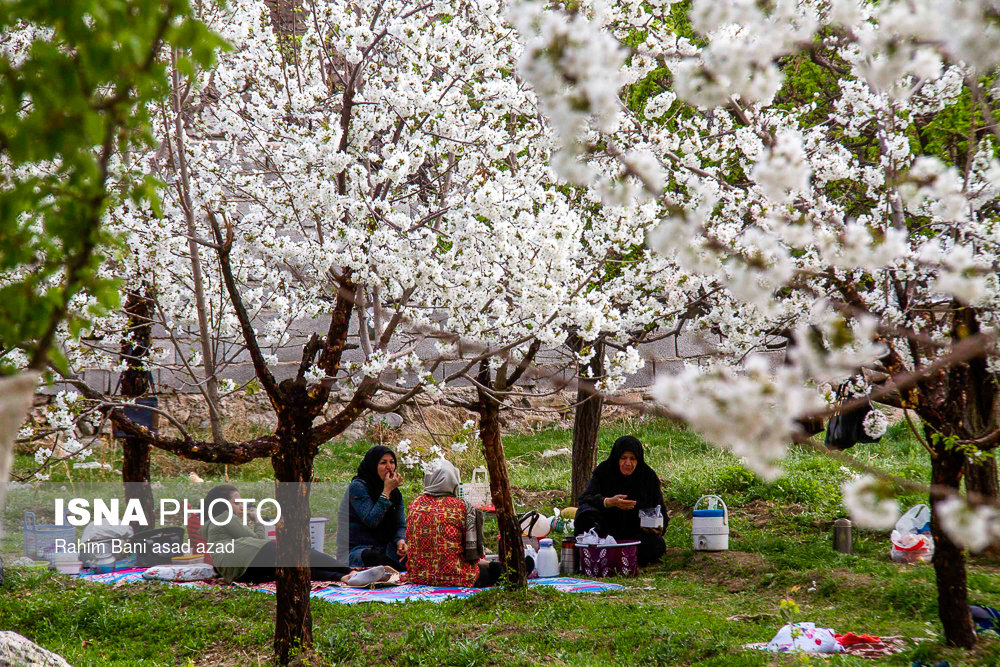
[(441, 478), (642, 486), (368, 473)]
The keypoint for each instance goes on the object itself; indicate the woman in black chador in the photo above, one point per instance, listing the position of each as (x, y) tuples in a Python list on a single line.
[(621, 486)]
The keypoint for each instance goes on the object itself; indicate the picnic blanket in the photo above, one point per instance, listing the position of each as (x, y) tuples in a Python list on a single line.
[(334, 592)]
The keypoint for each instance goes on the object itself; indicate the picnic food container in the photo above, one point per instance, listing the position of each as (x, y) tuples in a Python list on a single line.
[(567, 561), (39, 537), (67, 563), (317, 532), (651, 518), (477, 492), (606, 560), (105, 564), (69, 567), (710, 526)]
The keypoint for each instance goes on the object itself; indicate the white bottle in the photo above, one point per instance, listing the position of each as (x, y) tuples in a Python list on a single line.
[(548, 559)]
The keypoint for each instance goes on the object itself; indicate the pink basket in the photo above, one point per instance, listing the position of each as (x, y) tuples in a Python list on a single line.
[(605, 560)]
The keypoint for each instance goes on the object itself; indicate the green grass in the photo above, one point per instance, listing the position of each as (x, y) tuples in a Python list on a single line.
[(693, 609)]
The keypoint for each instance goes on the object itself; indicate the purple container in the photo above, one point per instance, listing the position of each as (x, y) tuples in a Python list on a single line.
[(606, 560)]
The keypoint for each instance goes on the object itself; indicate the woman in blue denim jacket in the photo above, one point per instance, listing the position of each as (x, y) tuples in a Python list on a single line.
[(377, 518)]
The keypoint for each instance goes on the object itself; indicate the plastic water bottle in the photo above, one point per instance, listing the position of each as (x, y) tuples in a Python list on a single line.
[(548, 560)]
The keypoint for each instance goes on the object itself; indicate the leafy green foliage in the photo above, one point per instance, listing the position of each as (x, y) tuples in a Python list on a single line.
[(76, 83)]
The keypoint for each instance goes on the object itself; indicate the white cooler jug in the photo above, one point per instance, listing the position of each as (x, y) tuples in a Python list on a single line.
[(710, 527)]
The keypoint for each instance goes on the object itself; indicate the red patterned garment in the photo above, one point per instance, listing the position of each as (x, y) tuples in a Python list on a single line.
[(435, 530)]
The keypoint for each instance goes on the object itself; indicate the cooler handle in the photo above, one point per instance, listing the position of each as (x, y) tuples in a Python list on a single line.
[(725, 509)]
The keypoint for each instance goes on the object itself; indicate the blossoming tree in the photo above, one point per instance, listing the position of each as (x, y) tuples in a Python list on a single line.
[(390, 177), (830, 166)]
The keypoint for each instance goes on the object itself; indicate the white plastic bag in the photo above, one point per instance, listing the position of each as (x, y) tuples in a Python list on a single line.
[(911, 547), (917, 519), (911, 542), (592, 538)]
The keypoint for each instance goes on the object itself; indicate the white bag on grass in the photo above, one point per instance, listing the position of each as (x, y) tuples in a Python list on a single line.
[(911, 547), (917, 519)]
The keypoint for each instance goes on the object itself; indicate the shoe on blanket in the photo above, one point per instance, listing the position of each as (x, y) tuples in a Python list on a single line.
[(366, 577)]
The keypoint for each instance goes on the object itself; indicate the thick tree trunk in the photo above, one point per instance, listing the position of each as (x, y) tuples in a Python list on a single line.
[(587, 421), (293, 471), (135, 383), (981, 479), (511, 549), (949, 561)]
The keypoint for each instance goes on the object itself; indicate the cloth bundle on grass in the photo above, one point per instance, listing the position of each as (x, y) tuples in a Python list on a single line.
[(807, 638)]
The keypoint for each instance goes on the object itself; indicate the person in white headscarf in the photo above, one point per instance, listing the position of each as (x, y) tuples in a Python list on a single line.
[(444, 533)]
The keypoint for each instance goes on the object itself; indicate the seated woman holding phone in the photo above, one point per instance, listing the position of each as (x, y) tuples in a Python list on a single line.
[(376, 516), (622, 485)]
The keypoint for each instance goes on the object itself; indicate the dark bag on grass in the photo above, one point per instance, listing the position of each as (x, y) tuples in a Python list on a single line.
[(847, 428), (156, 546)]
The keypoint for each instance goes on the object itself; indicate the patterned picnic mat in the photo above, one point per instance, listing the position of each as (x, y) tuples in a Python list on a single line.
[(336, 592)]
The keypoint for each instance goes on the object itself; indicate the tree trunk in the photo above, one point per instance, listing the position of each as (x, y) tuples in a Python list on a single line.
[(293, 471), (981, 480), (135, 383), (587, 421), (511, 548), (949, 561)]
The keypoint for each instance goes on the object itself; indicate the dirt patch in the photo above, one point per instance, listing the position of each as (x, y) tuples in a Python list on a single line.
[(228, 655), (762, 513), (736, 570), (541, 500), (852, 579)]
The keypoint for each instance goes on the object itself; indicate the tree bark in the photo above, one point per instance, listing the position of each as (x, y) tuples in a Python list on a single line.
[(981, 479), (511, 548), (293, 472), (207, 351), (949, 561), (587, 421), (135, 383)]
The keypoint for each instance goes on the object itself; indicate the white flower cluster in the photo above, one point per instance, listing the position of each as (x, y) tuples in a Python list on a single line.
[(822, 217), (869, 503), (749, 411), (973, 527), (875, 424)]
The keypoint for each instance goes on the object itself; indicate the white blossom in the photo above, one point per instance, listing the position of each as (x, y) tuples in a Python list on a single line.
[(868, 504)]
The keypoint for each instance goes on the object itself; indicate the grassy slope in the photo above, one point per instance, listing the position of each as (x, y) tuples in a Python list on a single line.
[(681, 612)]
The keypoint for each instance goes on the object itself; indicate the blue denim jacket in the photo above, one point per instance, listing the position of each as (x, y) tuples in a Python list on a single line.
[(367, 519)]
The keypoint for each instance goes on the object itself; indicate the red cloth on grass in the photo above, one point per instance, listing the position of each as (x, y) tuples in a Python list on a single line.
[(850, 639)]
